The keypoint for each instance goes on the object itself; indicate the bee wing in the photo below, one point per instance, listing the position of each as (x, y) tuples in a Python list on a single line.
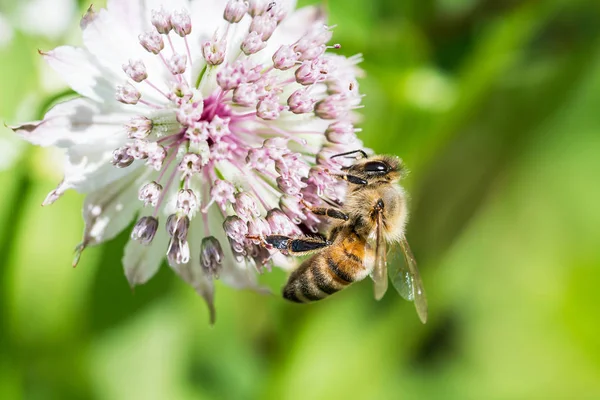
[(379, 273), (406, 278)]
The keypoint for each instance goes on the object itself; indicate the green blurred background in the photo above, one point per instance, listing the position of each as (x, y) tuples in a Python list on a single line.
[(495, 107)]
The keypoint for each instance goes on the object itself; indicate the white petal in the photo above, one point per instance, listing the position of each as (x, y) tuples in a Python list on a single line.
[(81, 71), (74, 122), (89, 133), (141, 262), (109, 210)]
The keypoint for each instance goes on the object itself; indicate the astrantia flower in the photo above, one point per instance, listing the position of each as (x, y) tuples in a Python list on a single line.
[(205, 122)]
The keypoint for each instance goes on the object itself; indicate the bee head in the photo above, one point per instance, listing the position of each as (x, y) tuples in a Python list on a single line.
[(376, 168)]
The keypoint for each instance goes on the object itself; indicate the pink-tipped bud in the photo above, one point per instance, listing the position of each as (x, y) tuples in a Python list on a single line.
[(178, 252), (301, 102), (211, 256), (246, 95), (127, 94), (332, 107), (121, 157), (257, 7), (258, 227), (180, 93), (136, 70), (189, 113), (187, 203), (150, 193), (181, 22), (269, 108), (197, 132), (245, 206), (218, 127), (161, 21), (144, 230), (341, 132), (138, 149), (138, 127), (292, 207), (285, 58), (252, 44), (222, 193), (264, 25), (178, 226), (156, 155), (312, 53), (259, 159), (213, 51), (235, 10), (281, 224), (152, 41), (229, 77), (177, 64), (236, 230), (191, 163)]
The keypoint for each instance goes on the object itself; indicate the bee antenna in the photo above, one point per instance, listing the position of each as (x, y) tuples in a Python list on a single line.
[(364, 155)]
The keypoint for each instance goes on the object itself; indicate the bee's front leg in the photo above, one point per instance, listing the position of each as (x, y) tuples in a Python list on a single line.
[(329, 212)]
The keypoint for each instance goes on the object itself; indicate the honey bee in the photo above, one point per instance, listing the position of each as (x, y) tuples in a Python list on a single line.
[(373, 216)]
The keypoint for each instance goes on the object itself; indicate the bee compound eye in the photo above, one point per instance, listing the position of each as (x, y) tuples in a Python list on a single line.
[(376, 167)]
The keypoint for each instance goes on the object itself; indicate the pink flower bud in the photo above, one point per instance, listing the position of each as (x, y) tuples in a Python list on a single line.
[(264, 25), (213, 51), (218, 127), (177, 64), (285, 58), (191, 164), (187, 202), (136, 70), (246, 95), (144, 230), (245, 206), (235, 10), (161, 21), (300, 102), (211, 256), (150, 193), (181, 22), (138, 127), (341, 132), (156, 155), (269, 108), (235, 229), (127, 94), (121, 157), (221, 193), (253, 43), (152, 41)]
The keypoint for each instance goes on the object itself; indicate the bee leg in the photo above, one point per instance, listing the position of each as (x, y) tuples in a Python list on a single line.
[(329, 212), (296, 246)]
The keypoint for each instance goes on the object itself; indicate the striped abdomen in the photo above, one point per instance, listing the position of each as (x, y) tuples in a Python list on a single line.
[(328, 271)]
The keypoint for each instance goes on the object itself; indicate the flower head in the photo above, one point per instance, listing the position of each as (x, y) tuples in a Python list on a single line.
[(208, 124)]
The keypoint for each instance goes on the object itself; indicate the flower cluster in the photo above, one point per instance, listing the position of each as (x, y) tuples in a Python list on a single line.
[(208, 131)]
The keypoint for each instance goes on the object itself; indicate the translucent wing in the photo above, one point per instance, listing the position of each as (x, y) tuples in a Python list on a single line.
[(406, 279), (379, 273)]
